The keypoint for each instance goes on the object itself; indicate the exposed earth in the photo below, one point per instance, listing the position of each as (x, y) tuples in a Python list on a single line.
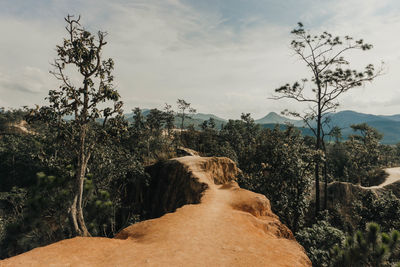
[(393, 177), (228, 226)]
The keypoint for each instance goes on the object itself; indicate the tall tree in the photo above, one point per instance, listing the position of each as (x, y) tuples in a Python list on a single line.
[(81, 50), (323, 55), (184, 110), (169, 118)]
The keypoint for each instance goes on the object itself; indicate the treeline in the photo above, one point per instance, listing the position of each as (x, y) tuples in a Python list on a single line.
[(37, 173)]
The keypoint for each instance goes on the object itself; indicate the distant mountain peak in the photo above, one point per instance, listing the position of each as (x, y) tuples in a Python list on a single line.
[(273, 114), (275, 118), (204, 116)]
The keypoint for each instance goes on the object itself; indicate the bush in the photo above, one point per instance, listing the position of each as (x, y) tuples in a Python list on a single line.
[(318, 240)]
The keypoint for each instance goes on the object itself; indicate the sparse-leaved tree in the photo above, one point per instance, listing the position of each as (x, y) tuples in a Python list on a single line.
[(323, 55), (84, 102), (184, 111)]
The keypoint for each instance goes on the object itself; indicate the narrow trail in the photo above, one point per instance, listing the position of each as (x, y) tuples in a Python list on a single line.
[(393, 177), (229, 227)]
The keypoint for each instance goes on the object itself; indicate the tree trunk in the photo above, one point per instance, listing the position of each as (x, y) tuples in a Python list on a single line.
[(183, 118), (318, 141), (73, 215), (317, 148), (317, 197), (76, 209), (81, 220), (325, 174), (325, 186)]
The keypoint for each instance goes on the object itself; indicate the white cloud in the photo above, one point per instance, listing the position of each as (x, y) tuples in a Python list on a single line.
[(21, 87), (377, 22), (166, 50)]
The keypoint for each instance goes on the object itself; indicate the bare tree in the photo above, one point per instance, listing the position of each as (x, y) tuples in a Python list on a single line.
[(330, 78)]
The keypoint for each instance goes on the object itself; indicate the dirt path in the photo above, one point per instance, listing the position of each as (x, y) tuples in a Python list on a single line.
[(394, 176), (230, 227)]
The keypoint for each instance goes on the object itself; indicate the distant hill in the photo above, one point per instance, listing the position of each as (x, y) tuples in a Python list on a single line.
[(304, 131), (348, 117), (129, 116), (391, 117), (205, 117), (274, 118), (389, 125), (195, 120)]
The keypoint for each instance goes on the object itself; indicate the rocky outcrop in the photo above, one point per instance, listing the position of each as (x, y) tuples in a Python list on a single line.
[(345, 193), (342, 196), (20, 127), (184, 151), (208, 221)]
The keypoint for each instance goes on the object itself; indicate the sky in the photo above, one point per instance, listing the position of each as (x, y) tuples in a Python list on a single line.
[(225, 57)]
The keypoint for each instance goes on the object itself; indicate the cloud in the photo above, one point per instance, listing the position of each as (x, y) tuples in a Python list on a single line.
[(18, 89), (223, 64), (377, 22)]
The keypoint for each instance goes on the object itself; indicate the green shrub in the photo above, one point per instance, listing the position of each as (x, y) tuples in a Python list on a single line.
[(318, 240)]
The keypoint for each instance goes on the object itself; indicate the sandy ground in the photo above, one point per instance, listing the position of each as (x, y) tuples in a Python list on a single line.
[(394, 176), (230, 227)]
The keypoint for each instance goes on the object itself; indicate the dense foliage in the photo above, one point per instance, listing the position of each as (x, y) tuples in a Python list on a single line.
[(369, 248), (318, 240), (37, 184)]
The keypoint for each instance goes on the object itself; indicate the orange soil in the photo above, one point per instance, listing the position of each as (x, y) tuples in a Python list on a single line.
[(230, 227)]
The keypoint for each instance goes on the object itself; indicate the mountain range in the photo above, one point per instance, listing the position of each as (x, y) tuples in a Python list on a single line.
[(388, 125), (195, 119)]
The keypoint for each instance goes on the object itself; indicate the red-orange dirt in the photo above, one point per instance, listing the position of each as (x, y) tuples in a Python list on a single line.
[(229, 227)]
